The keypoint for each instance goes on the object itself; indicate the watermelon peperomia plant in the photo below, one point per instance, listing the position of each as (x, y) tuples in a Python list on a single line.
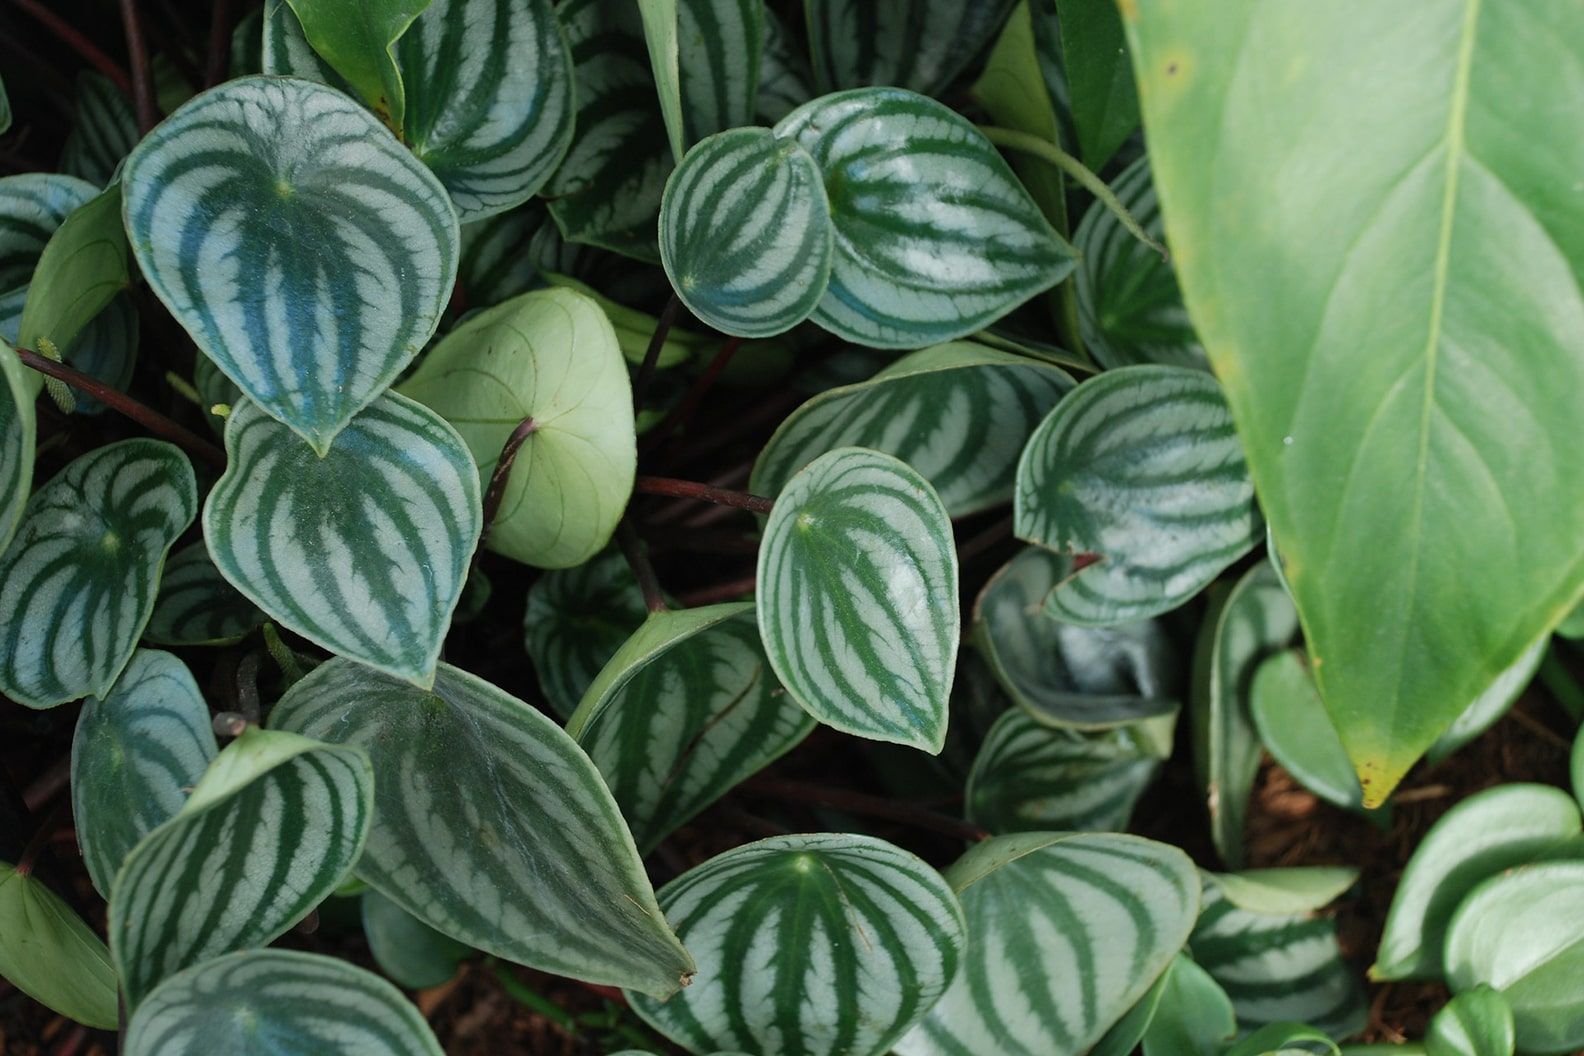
[(724, 503)]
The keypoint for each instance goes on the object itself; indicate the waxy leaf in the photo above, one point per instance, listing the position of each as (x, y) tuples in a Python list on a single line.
[(492, 826), (359, 42), (77, 583), (858, 597), (104, 130), (1139, 470), (406, 949), (1100, 89), (277, 1003), (920, 45), (1477, 1022), (866, 938), (271, 829), (705, 55), (1194, 1016), (136, 754), (935, 237), (1408, 394), (322, 252), (197, 606), (577, 619), (48, 953), (363, 551), (1294, 726)]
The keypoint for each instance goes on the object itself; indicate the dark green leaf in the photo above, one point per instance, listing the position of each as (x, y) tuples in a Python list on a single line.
[(921, 45), (196, 606), (577, 619), (1104, 101)]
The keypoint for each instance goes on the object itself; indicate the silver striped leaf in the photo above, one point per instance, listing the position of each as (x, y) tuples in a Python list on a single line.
[(1141, 470), (306, 252), (686, 710), (576, 620), (406, 949), (1069, 931), (104, 130), (364, 551), (857, 597), (784, 76), (513, 252), (922, 45), (278, 1003), (197, 606), (18, 437), (274, 825), (820, 945), (552, 356), (957, 413), (51, 955), (705, 56), (1124, 1037), (492, 826), (135, 755), (935, 237), (32, 206), (1063, 674), (77, 583), (746, 234)]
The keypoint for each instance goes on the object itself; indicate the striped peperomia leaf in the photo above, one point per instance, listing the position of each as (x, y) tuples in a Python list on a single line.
[(135, 755), (784, 74), (685, 710), (77, 583), (18, 436), (325, 252), (577, 618), (104, 130), (935, 237), (1140, 474), (705, 57), (197, 606), (858, 597), (270, 830), (746, 234), (1069, 931), (363, 551), (492, 826), (917, 44), (866, 938), (277, 1003)]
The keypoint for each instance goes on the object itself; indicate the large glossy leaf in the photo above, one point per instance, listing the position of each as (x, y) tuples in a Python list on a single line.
[(706, 59), (48, 953), (270, 830), (1407, 393), (492, 826), (81, 270), (921, 45), (304, 250), (359, 42), (136, 754), (1489, 706), (405, 948), (104, 130), (935, 237), (363, 551), (1068, 932), (277, 1003), (197, 606), (858, 597), (865, 937), (77, 582), (1104, 100), (577, 619), (1194, 1017), (552, 356), (957, 413), (1294, 726), (1477, 1022)]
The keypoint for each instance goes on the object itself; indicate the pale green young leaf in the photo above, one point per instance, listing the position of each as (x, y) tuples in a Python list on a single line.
[(1287, 890), (48, 953), (81, 270)]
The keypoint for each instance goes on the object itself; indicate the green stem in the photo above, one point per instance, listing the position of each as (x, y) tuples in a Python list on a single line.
[(1563, 686), (526, 995)]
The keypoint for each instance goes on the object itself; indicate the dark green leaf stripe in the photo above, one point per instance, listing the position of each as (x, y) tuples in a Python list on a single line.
[(1142, 468), (278, 1003), (492, 826), (32, 206), (745, 232), (270, 831), (18, 435), (576, 620), (77, 583), (364, 551), (935, 237), (303, 249), (196, 606), (103, 132), (784, 75), (823, 945), (136, 754), (917, 44), (719, 45), (958, 413), (858, 597)]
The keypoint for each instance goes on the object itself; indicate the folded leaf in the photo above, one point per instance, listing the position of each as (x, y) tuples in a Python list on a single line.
[(1490, 705), (48, 953)]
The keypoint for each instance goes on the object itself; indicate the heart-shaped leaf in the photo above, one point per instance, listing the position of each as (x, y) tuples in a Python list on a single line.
[(197, 606), (867, 937), (577, 619), (358, 41), (921, 45), (858, 597), (48, 953), (409, 951), (325, 253), (1069, 931), (393, 513), (104, 130), (935, 238), (550, 356), (1194, 1016), (277, 1003), (1294, 726), (77, 583), (1490, 705), (492, 826), (136, 754), (271, 805), (705, 56), (1478, 1022), (1140, 472)]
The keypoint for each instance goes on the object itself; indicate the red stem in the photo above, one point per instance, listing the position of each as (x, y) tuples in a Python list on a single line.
[(692, 489), (503, 467), (684, 410), (643, 571), (77, 42), (142, 79), (219, 43), (657, 341)]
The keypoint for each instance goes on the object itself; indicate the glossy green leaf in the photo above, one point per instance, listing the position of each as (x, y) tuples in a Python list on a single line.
[(136, 753), (1194, 1017), (1104, 101), (197, 606), (270, 830), (492, 826), (784, 76), (922, 45), (1294, 726), (577, 619), (77, 583), (325, 251), (1478, 1022), (1123, 1039), (957, 413), (858, 597), (1068, 931), (81, 270), (18, 437), (1286, 890), (277, 1003), (104, 130), (393, 513), (409, 951), (1489, 706), (935, 237), (359, 42), (1486, 833), (706, 56), (1407, 395), (48, 953), (552, 356), (1139, 468), (865, 938)]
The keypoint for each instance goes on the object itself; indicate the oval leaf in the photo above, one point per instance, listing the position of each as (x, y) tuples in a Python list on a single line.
[(197, 606), (48, 953), (406, 949), (1476, 1023), (1293, 724), (1194, 1018), (917, 44)]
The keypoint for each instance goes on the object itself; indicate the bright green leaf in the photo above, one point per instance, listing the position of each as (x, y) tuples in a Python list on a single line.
[(921, 45), (1292, 890), (409, 951), (1294, 726), (48, 953), (1478, 1022), (79, 273), (1490, 705), (1194, 1017), (196, 606), (358, 40), (1015, 94)]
